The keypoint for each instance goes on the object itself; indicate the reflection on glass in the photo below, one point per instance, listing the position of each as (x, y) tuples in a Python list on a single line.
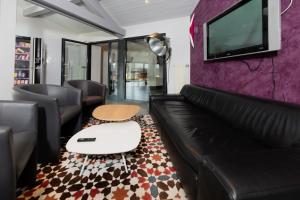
[(104, 63), (75, 67), (113, 71), (143, 73)]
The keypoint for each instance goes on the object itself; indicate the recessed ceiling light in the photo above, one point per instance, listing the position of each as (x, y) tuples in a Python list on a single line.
[(147, 1)]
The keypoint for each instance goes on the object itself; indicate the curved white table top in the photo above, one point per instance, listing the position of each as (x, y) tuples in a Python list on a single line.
[(111, 138)]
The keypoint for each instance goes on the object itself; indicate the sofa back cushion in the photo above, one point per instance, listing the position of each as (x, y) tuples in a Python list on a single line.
[(201, 97), (80, 84), (58, 92), (276, 124), (35, 88)]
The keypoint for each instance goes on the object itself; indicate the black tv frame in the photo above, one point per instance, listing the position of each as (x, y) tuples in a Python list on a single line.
[(248, 50)]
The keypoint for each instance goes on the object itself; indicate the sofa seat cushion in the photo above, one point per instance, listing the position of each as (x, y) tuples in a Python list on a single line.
[(196, 133), (68, 112), (267, 175), (23, 146), (92, 100)]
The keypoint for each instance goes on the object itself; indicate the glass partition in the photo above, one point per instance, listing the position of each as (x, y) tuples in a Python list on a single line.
[(75, 61), (113, 70), (143, 71)]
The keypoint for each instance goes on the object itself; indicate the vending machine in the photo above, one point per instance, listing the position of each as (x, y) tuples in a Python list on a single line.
[(30, 60)]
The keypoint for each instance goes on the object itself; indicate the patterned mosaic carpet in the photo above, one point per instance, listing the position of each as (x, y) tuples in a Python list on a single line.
[(151, 174)]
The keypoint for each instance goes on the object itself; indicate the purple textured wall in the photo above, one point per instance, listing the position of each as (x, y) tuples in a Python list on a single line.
[(281, 82)]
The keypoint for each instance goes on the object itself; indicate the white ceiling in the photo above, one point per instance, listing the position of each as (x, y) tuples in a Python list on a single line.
[(23, 4), (131, 12), (66, 23), (127, 12), (73, 25)]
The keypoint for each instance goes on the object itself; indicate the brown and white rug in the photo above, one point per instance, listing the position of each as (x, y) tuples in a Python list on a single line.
[(151, 175)]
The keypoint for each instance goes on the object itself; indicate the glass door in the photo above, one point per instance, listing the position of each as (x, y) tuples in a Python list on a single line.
[(105, 55), (144, 71), (75, 60), (129, 69), (113, 71), (99, 69)]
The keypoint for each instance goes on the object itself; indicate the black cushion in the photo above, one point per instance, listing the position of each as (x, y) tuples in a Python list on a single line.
[(68, 112), (274, 123), (23, 145), (196, 132), (51, 117), (93, 100), (266, 175), (89, 88), (199, 97), (18, 138)]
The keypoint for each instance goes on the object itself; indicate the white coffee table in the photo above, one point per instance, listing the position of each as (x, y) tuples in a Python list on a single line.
[(111, 138)]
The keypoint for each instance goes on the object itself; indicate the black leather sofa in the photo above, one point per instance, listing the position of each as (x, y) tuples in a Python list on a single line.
[(59, 109), (230, 147), (18, 137)]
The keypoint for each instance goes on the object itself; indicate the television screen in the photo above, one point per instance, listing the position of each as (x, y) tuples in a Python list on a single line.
[(242, 29)]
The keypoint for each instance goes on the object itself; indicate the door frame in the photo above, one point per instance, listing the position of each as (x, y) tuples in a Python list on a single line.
[(109, 44), (122, 59), (164, 64), (63, 54), (121, 64)]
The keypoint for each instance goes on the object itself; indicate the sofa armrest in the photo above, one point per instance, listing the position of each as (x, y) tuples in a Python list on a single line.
[(73, 96), (46, 104), (7, 167), (49, 120), (25, 113), (167, 97), (65, 95), (164, 97), (96, 89)]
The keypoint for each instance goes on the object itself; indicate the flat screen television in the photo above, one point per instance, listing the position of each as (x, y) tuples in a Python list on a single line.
[(248, 27)]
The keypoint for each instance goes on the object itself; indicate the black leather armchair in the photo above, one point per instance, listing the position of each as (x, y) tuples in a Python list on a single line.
[(59, 107), (93, 93), (18, 136)]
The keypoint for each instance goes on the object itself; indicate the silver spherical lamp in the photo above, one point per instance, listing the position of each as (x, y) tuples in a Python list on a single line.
[(158, 44)]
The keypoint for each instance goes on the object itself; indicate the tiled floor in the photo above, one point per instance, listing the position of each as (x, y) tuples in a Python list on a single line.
[(137, 90), (151, 174)]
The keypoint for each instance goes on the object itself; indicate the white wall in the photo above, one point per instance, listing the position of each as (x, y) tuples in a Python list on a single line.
[(52, 34), (53, 41), (178, 32), (7, 47), (96, 36)]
